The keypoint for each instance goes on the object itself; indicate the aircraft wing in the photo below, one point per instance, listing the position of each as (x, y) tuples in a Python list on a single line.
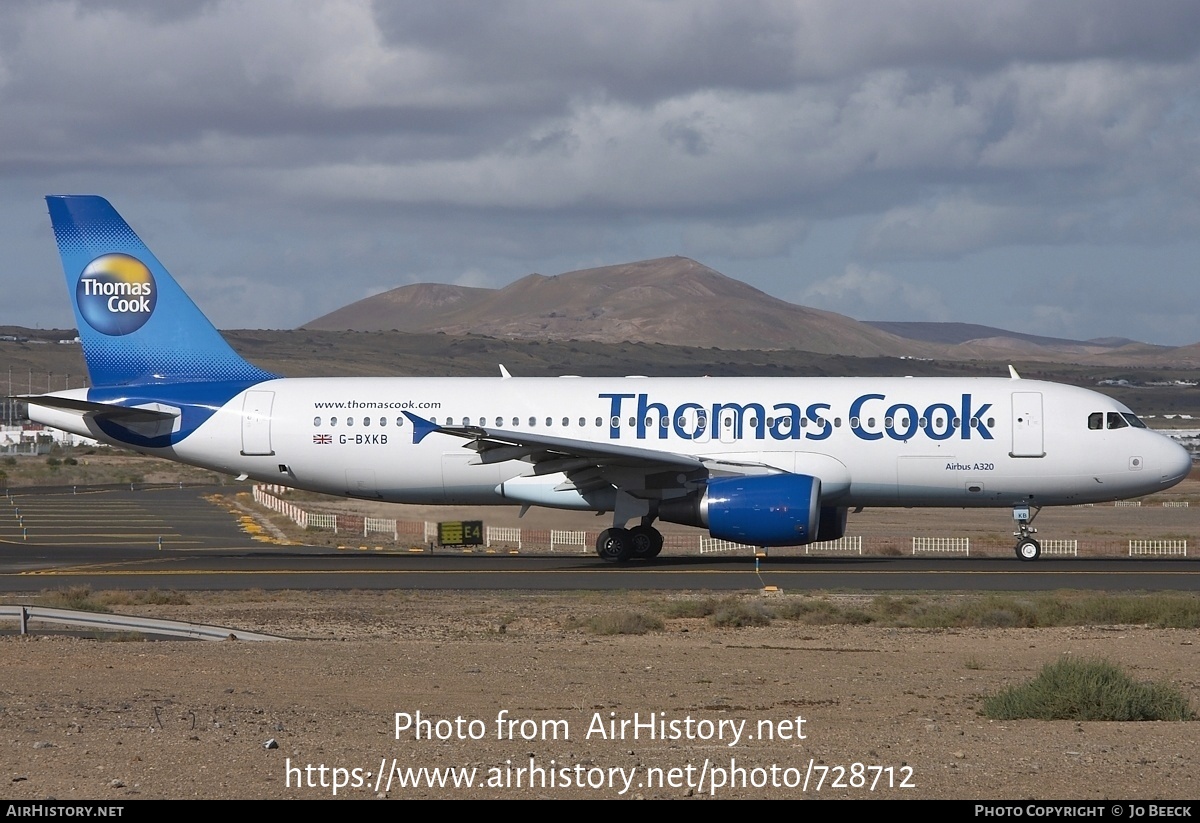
[(586, 462)]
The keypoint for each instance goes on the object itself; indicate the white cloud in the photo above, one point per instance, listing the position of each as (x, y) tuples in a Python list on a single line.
[(870, 294), (765, 238), (950, 227), (475, 278), (398, 141)]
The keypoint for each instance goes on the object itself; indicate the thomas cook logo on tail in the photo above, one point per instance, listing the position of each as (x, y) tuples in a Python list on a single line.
[(116, 294)]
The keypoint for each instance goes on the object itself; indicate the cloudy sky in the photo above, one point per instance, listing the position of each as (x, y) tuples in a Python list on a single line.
[(1031, 165)]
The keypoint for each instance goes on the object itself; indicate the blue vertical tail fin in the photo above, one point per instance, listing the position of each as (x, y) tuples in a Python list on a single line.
[(136, 324)]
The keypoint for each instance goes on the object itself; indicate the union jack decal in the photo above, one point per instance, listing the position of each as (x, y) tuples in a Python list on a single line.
[(323, 439)]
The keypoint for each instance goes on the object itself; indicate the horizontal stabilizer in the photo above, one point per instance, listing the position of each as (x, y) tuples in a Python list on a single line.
[(110, 411)]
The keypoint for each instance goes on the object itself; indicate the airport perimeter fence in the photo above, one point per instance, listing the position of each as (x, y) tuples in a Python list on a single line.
[(424, 533)]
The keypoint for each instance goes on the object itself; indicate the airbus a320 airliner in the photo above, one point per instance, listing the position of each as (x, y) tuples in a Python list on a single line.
[(758, 461)]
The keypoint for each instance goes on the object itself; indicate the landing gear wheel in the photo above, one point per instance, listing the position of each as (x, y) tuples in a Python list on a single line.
[(614, 545), (1028, 549), (647, 542)]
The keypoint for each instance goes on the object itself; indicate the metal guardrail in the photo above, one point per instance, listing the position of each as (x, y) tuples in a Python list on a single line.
[(123, 622)]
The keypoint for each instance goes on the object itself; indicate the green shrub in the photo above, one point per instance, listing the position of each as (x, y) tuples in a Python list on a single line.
[(1087, 690), (735, 614), (75, 597), (150, 597), (691, 608), (623, 622)]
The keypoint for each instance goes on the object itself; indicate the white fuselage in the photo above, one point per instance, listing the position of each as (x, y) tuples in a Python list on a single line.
[(871, 441)]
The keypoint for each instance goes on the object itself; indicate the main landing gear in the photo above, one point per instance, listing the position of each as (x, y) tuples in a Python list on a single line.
[(639, 543), (1027, 548)]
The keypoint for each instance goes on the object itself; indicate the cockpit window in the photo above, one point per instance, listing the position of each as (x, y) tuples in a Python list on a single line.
[(1116, 421), (1096, 421), (1133, 420)]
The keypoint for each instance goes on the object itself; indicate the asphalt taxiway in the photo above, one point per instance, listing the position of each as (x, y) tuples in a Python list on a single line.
[(181, 539)]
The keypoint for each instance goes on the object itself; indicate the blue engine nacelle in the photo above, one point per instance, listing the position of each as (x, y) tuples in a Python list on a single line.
[(760, 510), (833, 523)]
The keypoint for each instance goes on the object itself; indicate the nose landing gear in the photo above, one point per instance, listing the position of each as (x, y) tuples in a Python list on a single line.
[(1027, 547)]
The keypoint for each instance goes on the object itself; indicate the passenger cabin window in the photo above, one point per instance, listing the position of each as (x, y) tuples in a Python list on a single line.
[(316, 421)]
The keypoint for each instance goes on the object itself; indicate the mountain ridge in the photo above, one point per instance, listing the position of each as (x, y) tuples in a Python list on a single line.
[(679, 301)]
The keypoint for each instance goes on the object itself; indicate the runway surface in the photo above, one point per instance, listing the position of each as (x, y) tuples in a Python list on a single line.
[(178, 539)]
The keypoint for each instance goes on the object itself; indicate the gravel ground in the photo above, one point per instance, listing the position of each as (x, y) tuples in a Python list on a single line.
[(121, 719)]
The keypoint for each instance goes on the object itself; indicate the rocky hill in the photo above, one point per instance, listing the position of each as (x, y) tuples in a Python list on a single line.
[(672, 300), (680, 302)]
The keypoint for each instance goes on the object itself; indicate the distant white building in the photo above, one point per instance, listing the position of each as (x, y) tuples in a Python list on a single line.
[(1188, 438), (34, 438)]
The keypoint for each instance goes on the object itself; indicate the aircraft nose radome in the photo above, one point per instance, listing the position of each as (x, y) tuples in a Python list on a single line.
[(1176, 463)]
